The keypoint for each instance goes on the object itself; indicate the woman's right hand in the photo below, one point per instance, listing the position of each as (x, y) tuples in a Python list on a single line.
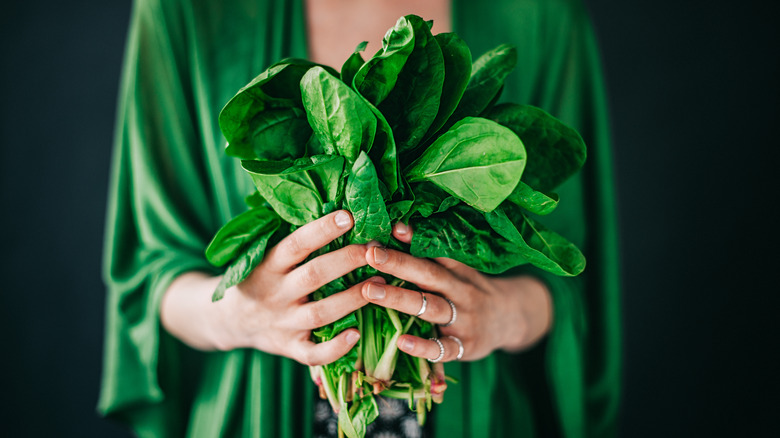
[(270, 310)]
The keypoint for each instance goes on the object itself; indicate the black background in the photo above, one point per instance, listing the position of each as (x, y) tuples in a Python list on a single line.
[(693, 88)]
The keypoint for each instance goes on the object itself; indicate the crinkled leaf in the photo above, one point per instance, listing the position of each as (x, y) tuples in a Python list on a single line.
[(341, 120), (462, 233), (555, 151), (297, 191), (477, 160), (238, 233), (364, 199)]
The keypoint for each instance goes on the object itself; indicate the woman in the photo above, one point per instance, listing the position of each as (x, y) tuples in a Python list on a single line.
[(178, 365)]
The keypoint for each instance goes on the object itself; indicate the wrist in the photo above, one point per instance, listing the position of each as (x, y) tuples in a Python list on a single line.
[(531, 312)]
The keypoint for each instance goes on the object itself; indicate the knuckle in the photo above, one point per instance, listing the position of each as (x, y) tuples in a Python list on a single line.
[(314, 316), (356, 255), (309, 274), (293, 244)]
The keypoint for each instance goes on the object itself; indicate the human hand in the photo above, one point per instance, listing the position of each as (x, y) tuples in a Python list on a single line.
[(270, 311), (492, 313)]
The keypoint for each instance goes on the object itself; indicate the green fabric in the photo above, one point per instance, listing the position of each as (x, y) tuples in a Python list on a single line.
[(172, 187)]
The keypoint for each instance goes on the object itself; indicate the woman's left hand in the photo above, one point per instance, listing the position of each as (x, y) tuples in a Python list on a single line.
[(492, 313)]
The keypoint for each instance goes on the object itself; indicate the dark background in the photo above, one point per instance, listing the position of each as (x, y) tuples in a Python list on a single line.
[(693, 88)]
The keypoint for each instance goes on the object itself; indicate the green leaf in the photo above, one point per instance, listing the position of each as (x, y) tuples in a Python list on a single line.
[(377, 77), (237, 233), (298, 190), (243, 265), (462, 233), (364, 199), (353, 64), (457, 71), (532, 200), (412, 105), (430, 199), (544, 248), (341, 120), (276, 134), (555, 151), (277, 87), (383, 151), (478, 161), (487, 78)]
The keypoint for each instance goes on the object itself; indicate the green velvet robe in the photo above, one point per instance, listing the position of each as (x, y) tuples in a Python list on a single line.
[(172, 187)]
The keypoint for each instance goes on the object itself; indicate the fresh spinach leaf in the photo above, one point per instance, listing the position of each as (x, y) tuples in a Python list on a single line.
[(487, 78), (364, 200), (477, 160), (277, 87), (377, 77), (383, 152), (247, 260), (457, 71), (412, 105), (555, 151), (237, 233), (462, 233), (298, 190), (534, 201), (544, 248), (276, 134), (353, 64), (339, 117)]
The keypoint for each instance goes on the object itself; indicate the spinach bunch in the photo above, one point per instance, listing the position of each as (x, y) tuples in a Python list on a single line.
[(412, 134)]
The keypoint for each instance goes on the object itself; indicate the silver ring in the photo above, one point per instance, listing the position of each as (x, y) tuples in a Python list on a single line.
[(454, 314), (441, 351), (424, 304), (460, 347)]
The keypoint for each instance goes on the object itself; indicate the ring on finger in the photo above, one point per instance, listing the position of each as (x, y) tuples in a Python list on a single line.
[(441, 351), (460, 347), (454, 313), (424, 305)]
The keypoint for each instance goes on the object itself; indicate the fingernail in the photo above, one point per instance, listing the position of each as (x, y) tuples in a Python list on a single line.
[(373, 244), (380, 255), (375, 291), (405, 344), (401, 228), (352, 337), (342, 219)]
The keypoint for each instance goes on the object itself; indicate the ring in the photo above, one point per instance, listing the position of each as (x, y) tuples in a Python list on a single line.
[(454, 313), (460, 347), (441, 351), (424, 304)]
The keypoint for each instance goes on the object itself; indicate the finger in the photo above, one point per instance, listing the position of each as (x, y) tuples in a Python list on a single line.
[(320, 313), (327, 352), (322, 270), (426, 274), (427, 348), (437, 309), (294, 248), (403, 232)]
